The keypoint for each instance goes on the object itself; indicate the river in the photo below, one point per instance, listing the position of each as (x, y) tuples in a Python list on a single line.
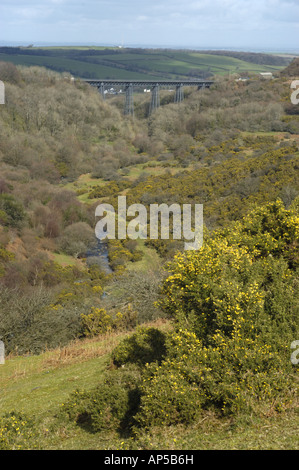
[(100, 254)]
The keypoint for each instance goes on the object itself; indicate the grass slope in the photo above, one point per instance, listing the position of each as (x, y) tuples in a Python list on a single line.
[(40, 385)]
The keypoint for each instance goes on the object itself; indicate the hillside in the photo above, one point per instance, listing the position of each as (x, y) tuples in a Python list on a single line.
[(41, 385), (152, 64), (292, 70), (210, 332)]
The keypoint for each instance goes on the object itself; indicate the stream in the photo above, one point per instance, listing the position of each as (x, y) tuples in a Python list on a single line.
[(100, 254)]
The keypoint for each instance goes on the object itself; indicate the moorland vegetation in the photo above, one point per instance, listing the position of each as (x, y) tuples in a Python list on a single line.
[(231, 308)]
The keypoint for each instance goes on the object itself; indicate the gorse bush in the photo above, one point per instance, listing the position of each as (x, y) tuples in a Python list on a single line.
[(17, 432), (110, 406), (98, 321), (145, 346), (236, 375), (235, 306), (230, 280), (269, 230)]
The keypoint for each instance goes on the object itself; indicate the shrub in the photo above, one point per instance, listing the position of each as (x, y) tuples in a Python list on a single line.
[(31, 322), (12, 211), (110, 406), (99, 321), (144, 346), (237, 375), (141, 290), (76, 238), (118, 254), (235, 306), (126, 319), (227, 285), (9, 73), (170, 394), (17, 432)]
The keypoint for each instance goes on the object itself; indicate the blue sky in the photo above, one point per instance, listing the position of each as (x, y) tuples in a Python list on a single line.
[(250, 24)]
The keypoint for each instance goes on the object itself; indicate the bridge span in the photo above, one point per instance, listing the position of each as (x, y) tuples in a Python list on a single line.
[(153, 85)]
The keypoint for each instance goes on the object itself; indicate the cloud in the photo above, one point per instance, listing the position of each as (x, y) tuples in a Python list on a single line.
[(155, 21)]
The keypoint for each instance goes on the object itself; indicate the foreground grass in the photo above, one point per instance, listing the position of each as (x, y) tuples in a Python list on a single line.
[(279, 432), (40, 385)]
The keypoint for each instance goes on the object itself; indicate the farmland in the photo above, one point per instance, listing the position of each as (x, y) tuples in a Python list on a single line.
[(118, 63)]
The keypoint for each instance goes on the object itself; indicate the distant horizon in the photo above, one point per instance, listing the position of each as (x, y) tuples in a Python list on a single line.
[(238, 25), (266, 50)]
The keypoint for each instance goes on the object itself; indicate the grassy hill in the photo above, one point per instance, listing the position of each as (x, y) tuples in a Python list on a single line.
[(141, 63)]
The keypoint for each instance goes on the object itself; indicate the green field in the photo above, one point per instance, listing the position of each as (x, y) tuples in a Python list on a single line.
[(75, 67), (114, 63)]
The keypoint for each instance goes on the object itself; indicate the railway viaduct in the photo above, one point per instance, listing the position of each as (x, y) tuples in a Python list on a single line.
[(155, 86)]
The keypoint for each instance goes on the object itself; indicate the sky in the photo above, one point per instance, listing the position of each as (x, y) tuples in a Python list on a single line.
[(237, 24)]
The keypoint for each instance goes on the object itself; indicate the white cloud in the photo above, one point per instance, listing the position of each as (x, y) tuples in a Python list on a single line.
[(155, 21)]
